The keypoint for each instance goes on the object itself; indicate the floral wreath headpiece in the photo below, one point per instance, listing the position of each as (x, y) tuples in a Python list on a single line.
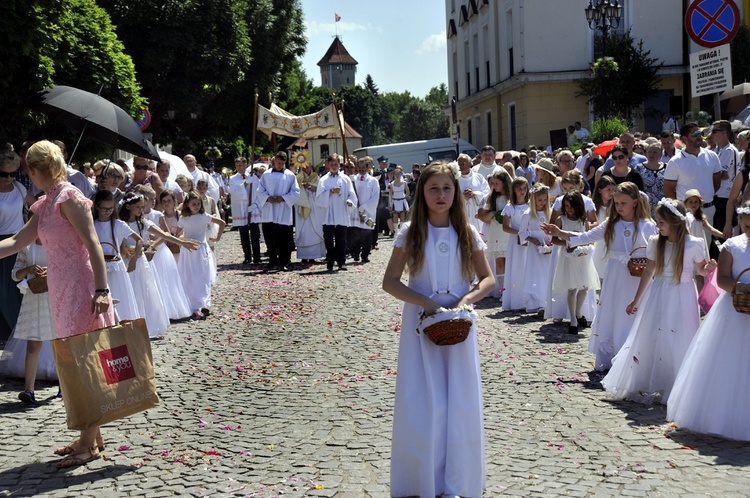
[(455, 170), (672, 206), (743, 210)]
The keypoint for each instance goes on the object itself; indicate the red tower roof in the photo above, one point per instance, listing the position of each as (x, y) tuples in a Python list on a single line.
[(337, 54)]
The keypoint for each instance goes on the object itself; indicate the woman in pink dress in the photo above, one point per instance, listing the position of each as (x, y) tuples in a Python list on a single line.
[(76, 272)]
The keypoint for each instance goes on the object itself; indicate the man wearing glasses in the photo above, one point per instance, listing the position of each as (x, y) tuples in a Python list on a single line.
[(693, 167)]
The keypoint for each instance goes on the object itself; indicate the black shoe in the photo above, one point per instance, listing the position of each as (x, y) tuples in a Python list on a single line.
[(365, 259), (343, 267), (256, 261), (329, 266), (355, 258), (573, 329), (582, 322), (285, 268), (245, 261), (27, 397)]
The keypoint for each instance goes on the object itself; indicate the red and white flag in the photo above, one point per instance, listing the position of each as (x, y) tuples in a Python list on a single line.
[(338, 17)]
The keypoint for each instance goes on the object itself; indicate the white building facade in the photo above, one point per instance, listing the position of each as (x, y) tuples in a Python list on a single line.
[(514, 65)]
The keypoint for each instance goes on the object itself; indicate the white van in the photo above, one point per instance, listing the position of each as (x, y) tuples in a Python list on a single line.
[(405, 154)]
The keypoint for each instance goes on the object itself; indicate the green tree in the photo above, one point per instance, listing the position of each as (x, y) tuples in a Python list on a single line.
[(59, 42), (620, 92), (739, 49)]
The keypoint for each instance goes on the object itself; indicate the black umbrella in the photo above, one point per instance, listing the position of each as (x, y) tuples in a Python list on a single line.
[(95, 117)]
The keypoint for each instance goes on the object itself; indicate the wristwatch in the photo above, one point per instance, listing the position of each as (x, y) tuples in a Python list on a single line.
[(104, 291)]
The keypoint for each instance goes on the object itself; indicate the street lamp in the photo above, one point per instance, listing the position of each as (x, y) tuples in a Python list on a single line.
[(602, 15)]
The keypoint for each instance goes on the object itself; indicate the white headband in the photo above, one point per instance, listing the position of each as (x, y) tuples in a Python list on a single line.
[(672, 206), (453, 165), (743, 210)]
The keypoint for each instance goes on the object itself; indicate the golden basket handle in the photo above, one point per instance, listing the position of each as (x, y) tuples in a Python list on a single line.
[(636, 248)]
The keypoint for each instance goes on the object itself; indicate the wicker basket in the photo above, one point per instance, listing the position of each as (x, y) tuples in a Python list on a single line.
[(448, 327), (741, 302), (636, 266), (149, 253), (38, 285), (111, 257)]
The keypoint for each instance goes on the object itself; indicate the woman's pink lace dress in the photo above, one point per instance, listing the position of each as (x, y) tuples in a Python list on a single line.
[(69, 275)]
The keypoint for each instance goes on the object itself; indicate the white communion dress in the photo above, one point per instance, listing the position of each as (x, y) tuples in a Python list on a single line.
[(111, 235), (515, 261), (438, 428)]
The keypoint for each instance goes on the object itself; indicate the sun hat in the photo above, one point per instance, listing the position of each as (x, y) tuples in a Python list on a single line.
[(693, 192), (545, 164)]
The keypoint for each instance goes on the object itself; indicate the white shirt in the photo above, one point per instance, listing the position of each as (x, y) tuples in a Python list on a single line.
[(729, 159), (691, 171), (11, 209), (368, 195), (486, 171), (277, 184), (668, 125), (109, 241), (80, 181), (335, 207), (581, 162)]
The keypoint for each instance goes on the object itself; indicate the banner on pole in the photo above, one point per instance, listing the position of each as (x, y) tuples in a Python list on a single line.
[(277, 120)]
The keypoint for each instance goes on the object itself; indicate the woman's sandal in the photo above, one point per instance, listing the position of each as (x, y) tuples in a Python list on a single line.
[(67, 450), (74, 459)]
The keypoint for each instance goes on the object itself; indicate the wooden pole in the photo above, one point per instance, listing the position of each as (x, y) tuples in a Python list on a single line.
[(341, 126), (255, 128), (273, 135)]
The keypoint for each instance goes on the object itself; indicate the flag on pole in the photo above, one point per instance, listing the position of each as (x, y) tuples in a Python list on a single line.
[(338, 17), (277, 120)]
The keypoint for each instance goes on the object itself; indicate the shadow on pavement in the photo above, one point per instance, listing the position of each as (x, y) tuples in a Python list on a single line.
[(725, 451), (43, 477)]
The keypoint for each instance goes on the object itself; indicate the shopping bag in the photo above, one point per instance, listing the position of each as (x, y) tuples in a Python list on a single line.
[(106, 374), (710, 291)]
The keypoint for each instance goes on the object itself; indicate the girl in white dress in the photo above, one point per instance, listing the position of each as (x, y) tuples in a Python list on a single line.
[(438, 433), (195, 266), (515, 260), (147, 295), (163, 263), (557, 301), (538, 254), (575, 272), (492, 227), (398, 199), (112, 234), (168, 223), (711, 392), (28, 353), (645, 368), (698, 224), (209, 206), (602, 197), (628, 227)]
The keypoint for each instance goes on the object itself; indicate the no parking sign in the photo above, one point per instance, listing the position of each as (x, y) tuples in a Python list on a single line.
[(711, 23)]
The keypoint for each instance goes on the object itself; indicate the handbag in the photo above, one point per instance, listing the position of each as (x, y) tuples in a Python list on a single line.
[(106, 374), (37, 285), (710, 292)]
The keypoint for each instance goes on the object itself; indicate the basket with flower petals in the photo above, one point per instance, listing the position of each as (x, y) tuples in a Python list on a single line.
[(448, 326)]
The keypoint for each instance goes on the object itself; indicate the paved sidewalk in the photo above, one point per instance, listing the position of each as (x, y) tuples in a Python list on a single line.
[(287, 390)]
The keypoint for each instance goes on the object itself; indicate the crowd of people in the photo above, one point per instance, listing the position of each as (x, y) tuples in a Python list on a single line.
[(602, 241)]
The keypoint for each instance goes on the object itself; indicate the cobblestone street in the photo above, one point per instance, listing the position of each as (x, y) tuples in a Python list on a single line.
[(287, 390)]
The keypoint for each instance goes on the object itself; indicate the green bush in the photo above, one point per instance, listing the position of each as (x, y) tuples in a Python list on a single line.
[(607, 128)]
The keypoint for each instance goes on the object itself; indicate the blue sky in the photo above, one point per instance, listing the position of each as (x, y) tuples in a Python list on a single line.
[(400, 43)]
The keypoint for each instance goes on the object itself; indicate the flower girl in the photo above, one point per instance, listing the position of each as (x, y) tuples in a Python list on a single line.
[(711, 393), (513, 296), (645, 368), (112, 232), (438, 433), (492, 228), (195, 266), (575, 272), (625, 232), (163, 263), (538, 254)]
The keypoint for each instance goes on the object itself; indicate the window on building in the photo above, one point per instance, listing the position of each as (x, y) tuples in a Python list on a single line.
[(476, 77), (488, 120), (468, 131), (468, 84), (478, 130), (487, 73), (512, 125), (324, 151)]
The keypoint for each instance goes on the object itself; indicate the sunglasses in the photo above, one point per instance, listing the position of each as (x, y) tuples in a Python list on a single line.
[(5, 174), (141, 166), (617, 158)]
